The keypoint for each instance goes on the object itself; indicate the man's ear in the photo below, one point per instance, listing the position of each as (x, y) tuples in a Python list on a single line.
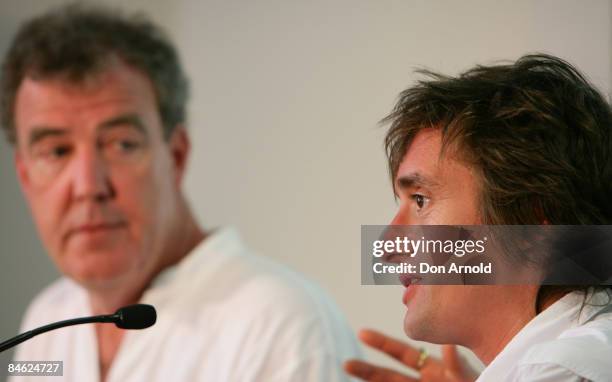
[(180, 146), (22, 172)]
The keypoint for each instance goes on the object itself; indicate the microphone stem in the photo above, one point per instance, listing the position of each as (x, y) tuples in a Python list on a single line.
[(75, 321)]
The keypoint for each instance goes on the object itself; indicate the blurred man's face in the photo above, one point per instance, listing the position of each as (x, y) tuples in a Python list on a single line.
[(435, 190), (101, 182)]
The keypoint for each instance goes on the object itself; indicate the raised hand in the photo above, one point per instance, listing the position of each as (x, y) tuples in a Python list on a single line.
[(450, 368)]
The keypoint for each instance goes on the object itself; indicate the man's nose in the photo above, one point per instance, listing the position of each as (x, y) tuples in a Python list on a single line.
[(91, 176), (402, 217)]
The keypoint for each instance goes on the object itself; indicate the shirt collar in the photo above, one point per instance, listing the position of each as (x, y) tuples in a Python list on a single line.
[(570, 311)]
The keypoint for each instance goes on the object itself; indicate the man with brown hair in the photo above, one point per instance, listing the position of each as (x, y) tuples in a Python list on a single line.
[(94, 103), (529, 143)]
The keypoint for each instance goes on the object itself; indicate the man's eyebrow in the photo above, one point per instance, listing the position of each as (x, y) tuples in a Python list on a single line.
[(414, 180), (122, 120), (38, 133)]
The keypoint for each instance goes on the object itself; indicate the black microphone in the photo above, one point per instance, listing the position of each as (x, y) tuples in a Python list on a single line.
[(138, 316)]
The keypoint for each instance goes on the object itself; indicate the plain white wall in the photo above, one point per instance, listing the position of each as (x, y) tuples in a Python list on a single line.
[(286, 96)]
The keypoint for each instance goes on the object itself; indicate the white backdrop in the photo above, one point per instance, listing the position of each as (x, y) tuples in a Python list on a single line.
[(283, 118)]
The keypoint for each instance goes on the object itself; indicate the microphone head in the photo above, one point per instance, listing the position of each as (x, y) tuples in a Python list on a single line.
[(137, 316)]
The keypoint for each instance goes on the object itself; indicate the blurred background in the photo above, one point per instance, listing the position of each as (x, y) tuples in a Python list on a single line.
[(286, 99)]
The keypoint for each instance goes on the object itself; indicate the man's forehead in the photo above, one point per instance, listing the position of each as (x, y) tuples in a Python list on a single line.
[(422, 156), (88, 79), (428, 162), (58, 103), (118, 82), (39, 95)]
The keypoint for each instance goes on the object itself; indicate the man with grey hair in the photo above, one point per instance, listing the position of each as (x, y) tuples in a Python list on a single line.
[(94, 103)]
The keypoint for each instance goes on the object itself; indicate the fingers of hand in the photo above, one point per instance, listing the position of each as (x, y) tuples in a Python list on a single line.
[(399, 350), (371, 373), (456, 364)]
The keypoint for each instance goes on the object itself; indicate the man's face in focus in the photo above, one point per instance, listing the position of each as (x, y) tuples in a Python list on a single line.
[(100, 180), (437, 190)]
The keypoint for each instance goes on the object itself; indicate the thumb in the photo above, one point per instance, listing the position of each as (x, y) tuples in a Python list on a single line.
[(450, 358)]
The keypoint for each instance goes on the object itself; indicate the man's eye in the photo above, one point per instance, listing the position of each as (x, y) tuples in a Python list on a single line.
[(126, 145), (123, 145), (121, 148), (53, 152), (419, 199), (60, 151)]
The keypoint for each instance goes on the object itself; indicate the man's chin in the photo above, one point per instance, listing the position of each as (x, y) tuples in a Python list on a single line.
[(416, 326), (422, 327), (98, 274), (411, 328), (99, 280)]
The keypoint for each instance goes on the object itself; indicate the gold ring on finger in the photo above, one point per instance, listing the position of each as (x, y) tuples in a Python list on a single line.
[(422, 358)]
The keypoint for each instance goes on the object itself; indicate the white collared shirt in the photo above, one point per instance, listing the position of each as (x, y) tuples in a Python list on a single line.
[(568, 341), (223, 315)]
